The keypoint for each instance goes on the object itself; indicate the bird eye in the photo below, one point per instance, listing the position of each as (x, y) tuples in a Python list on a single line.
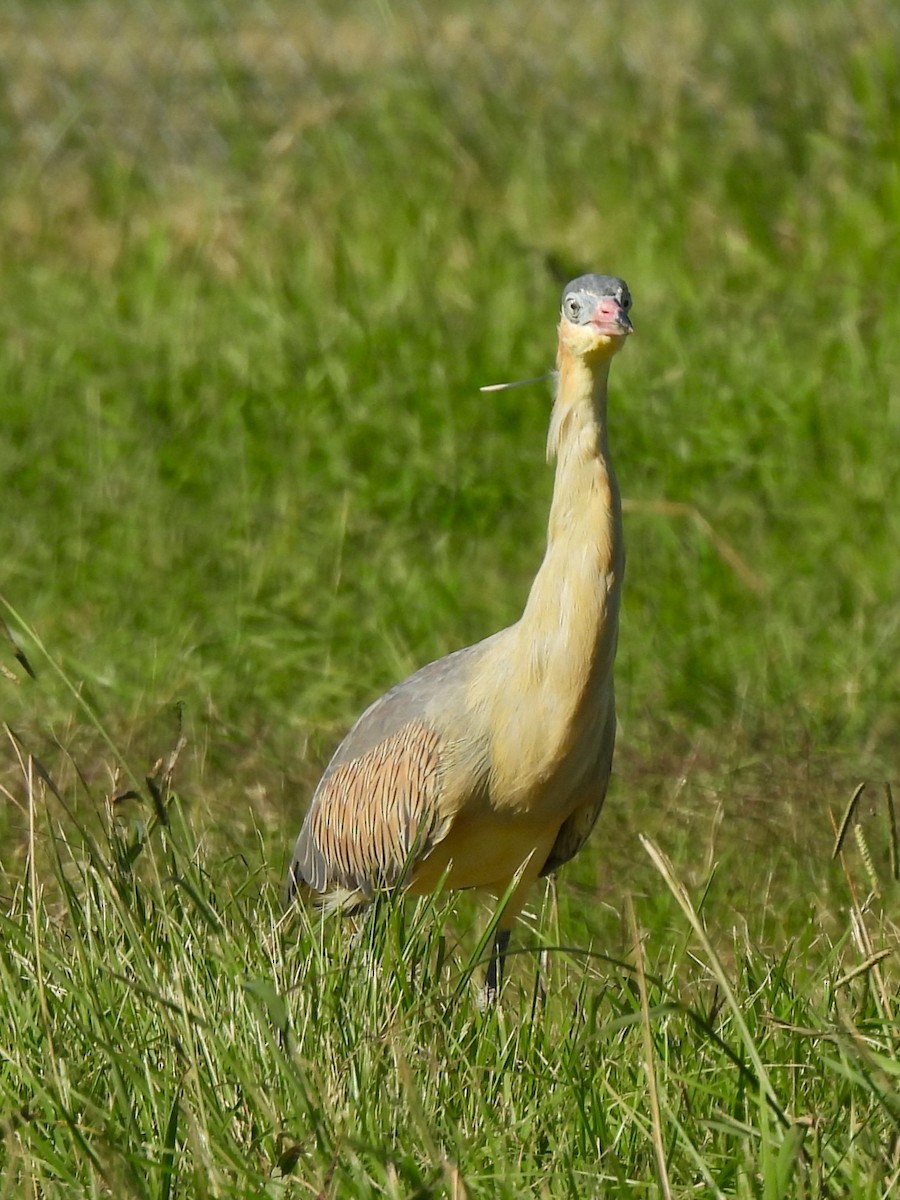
[(572, 308), (624, 299)]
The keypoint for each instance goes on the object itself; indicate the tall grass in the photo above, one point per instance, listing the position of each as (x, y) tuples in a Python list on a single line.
[(258, 259), (170, 1032)]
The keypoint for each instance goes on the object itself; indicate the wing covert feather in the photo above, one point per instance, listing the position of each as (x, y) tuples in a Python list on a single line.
[(369, 814), (378, 801)]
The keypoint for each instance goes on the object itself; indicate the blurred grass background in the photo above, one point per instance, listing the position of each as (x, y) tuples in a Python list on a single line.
[(258, 259)]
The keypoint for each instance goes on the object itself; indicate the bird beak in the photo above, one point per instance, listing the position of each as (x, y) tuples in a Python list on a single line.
[(611, 319)]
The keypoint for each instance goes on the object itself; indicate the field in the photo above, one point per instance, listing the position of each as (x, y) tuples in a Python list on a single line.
[(258, 258)]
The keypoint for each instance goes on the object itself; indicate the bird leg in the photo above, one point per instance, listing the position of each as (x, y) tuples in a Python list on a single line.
[(494, 979)]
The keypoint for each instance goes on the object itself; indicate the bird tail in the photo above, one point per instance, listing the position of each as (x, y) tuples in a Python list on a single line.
[(343, 900)]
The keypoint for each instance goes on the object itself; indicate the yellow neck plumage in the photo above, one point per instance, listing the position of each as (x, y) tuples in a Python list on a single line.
[(556, 668)]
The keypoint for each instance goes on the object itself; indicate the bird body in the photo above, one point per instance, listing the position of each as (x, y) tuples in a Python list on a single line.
[(491, 764)]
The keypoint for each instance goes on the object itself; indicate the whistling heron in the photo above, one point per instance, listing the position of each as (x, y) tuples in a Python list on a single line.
[(489, 767)]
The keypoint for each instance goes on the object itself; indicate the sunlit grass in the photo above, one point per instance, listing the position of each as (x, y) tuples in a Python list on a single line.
[(258, 259), (171, 1032)]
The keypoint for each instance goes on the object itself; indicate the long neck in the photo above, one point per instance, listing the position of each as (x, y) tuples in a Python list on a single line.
[(572, 610), (546, 694)]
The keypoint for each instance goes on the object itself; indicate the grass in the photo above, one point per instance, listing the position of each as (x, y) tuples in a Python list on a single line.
[(174, 1034), (257, 262)]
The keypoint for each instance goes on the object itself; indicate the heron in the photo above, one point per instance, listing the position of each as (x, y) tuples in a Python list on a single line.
[(488, 768)]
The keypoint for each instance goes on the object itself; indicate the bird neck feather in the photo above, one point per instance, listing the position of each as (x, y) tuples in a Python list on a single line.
[(572, 608), (580, 393), (585, 496), (547, 686)]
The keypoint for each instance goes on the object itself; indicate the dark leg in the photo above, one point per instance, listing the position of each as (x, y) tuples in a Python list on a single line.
[(494, 980)]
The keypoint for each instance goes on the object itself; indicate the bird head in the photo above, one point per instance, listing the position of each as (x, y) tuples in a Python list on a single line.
[(593, 320)]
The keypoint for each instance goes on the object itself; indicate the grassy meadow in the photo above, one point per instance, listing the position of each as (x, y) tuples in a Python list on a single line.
[(258, 258)]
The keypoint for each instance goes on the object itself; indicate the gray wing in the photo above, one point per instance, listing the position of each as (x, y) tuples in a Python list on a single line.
[(377, 806)]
